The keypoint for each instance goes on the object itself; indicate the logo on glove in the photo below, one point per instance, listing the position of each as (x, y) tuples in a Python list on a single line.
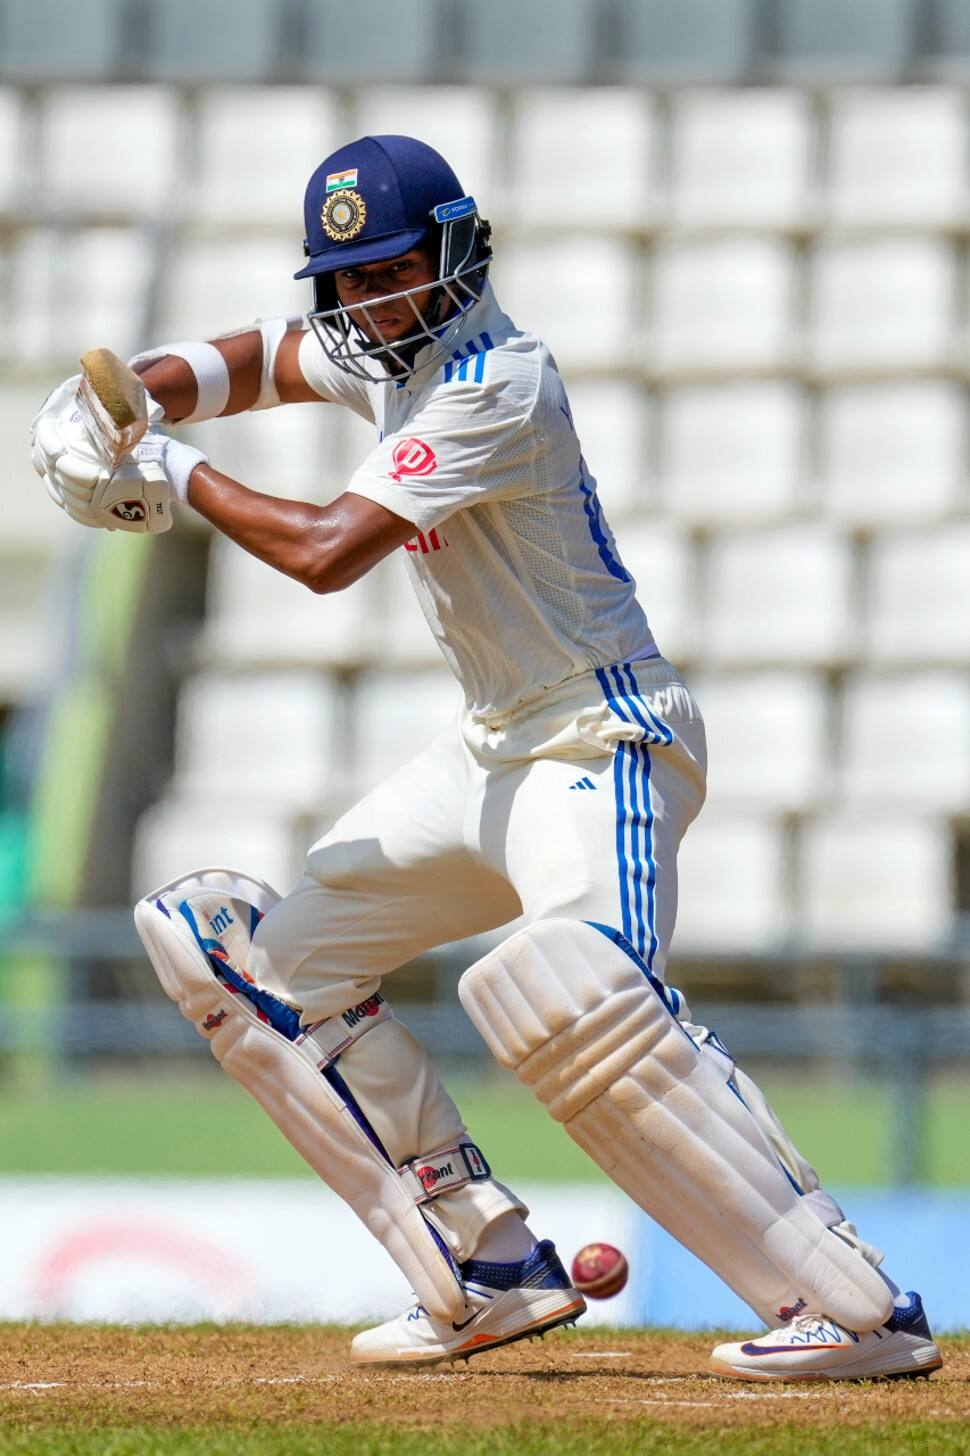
[(413, 457), (129, 510)]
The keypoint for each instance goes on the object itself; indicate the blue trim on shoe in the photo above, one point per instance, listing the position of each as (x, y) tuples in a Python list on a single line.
[(911, 1320), (543, 1269)]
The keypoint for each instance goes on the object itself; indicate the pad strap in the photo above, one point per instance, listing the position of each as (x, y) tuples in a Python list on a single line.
[(333, 1036), (427, 1178)]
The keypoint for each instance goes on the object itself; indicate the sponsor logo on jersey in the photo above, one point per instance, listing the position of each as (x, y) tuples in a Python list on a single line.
[(344, 214), (133, 510), (336, 180), (413, 457), (425, 543)]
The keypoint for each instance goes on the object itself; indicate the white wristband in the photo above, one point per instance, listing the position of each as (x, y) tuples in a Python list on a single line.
[(177, 459)]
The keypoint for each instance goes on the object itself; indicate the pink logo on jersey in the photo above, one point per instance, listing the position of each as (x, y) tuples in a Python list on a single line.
[(413, 457)]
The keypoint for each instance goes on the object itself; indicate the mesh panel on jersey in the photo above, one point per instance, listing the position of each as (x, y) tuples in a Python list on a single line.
[(542, 551)]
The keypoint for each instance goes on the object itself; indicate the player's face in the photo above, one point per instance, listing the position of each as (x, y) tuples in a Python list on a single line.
[(395, 318)]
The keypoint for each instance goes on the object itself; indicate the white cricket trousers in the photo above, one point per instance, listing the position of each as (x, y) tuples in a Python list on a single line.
[(573, 806)]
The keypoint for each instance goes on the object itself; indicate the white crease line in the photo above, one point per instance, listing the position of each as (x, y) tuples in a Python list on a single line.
[(34, 1385)]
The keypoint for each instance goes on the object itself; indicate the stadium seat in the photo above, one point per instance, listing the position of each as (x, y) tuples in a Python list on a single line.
[(693, 40), (946, 40), (537, 284), (893, 452), (779, 596), (459, 122), (898, 158), (136, 126), (918, 607), (733, 894), (288, 130), (829, 40), (13, 150), (720, 306), (587, 159), (259, 616), (69, 291), (269, 738), (222, 40), (878, 882), (767, 740), (177, 835), (412, 709), (32, 618), (280, 451), (732, 454), (524, 40), (213, 287), (742, 158), (660, 559), (614, 419), (882, 305), (45, 40), (884, 761), (399, 43)]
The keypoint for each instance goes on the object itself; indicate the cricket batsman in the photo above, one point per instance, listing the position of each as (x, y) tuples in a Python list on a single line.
[(560, 795)]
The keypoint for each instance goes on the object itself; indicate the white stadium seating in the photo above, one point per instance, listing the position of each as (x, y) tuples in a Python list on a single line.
[(613, 419), (768, 740), (720, 306), (13, 149), (918, 607), (779, 596), (899, 158), (585, 159), (177, 835), (880, 881), (742, 159), (288, 131), (585, 306), (69, 287), (660, 558), (258, 616), (458, 121), (270, 739), (893, 453), (882, 306), (906, 740), (732, 454), (213, 287), (733, 885), (396, 716), (137, 127)]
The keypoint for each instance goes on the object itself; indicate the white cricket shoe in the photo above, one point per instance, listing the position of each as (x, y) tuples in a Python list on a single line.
[(503, 1302), (818, 1349)]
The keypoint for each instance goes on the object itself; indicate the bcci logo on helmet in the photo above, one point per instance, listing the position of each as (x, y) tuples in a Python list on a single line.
[(413, 457)]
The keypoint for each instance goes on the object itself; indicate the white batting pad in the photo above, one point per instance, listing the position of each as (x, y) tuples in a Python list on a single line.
[(570, 1008), (286, 1078)]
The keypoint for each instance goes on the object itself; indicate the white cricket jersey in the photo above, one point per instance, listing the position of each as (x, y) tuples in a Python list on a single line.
[(513, 563)]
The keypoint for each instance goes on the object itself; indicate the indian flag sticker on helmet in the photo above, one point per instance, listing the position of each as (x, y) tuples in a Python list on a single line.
[(336, 180), (344, 214)]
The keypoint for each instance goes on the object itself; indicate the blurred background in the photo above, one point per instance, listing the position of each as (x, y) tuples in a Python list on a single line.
[(741, 226)]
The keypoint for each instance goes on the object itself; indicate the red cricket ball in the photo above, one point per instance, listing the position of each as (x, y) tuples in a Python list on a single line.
[(599, 1271)]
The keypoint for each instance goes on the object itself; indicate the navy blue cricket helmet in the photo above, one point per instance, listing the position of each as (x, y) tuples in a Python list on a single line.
[(371, 201)]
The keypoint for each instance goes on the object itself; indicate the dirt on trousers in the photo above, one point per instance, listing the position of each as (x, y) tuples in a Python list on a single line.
[(234, 1375)]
